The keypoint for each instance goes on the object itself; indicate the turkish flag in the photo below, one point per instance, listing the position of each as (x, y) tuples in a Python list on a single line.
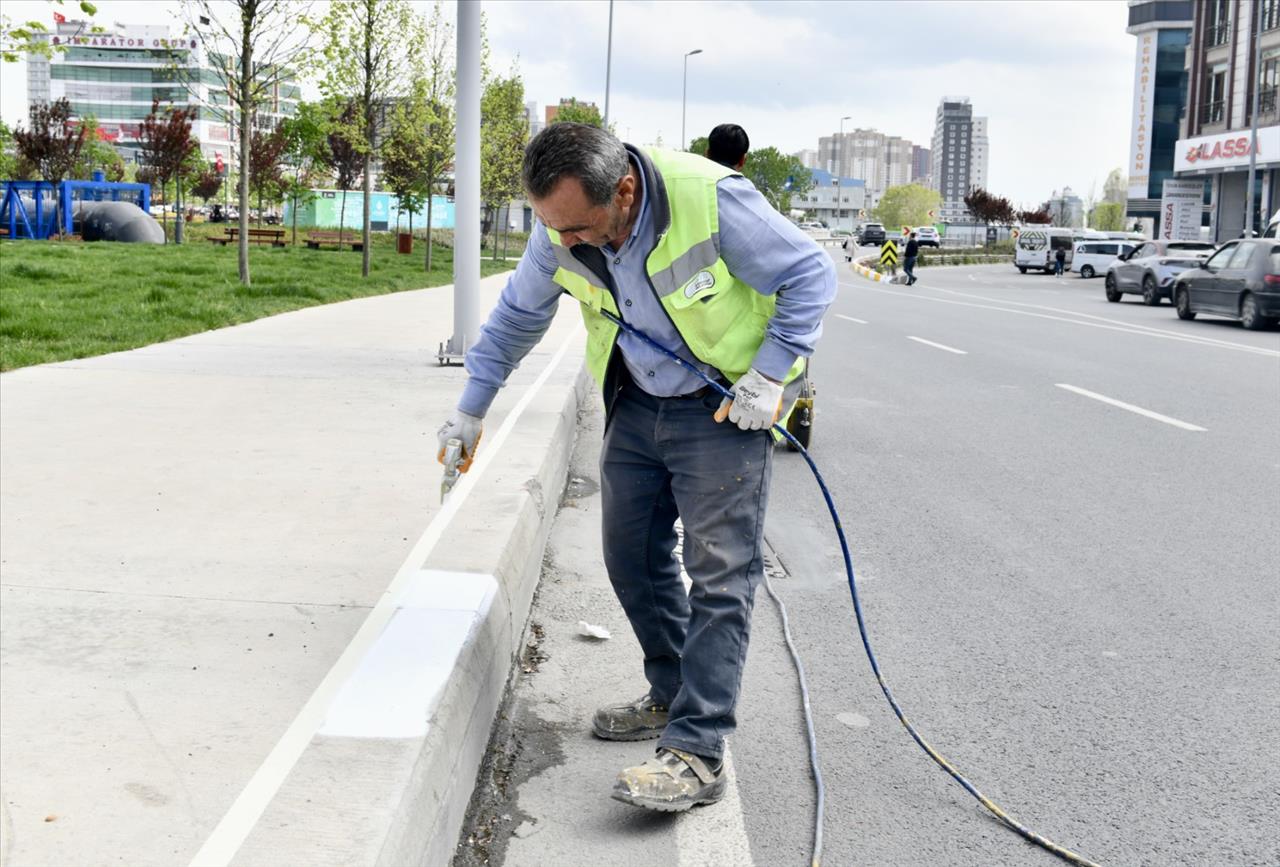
[(59, 18)]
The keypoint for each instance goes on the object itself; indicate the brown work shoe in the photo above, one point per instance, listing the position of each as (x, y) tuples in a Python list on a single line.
[(639, 721), (671, 782)]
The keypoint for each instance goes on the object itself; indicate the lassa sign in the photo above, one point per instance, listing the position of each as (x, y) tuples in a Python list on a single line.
[(1225, 150), (1232, 147)]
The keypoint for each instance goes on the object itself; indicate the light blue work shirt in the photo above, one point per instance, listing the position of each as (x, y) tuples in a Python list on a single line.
[(761, 248)]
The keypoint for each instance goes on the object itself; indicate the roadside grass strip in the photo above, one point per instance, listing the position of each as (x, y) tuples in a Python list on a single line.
[(61, 300)]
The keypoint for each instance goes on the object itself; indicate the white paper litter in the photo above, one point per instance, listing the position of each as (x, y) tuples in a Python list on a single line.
[(592, 631)]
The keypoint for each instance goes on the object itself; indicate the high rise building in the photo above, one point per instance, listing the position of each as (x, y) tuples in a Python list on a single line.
[(114, 77), (882, 161), (1223, 80), (808, 158), (1163, 31), (921, 165), (536, 123), (957, 167)]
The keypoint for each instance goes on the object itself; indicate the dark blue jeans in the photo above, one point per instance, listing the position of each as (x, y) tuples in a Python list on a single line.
[(909, 265), (665, 458)]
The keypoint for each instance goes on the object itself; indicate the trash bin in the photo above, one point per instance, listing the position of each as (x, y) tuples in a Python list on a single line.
[(404, 243)]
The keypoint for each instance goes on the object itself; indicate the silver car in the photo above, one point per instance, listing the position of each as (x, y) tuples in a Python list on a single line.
[(1149, 270)]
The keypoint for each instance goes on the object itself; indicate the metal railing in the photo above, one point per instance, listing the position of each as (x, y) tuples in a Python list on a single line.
[(1213, 112), (1267, 102), (1216, 34)]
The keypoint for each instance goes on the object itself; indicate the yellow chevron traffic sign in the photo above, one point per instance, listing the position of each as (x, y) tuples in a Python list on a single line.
[(889, 253)]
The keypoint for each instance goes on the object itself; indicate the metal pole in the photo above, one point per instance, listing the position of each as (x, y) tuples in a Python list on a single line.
[(608, 66), (840, 159), (466, 247), (684, 92), (1253, 125)]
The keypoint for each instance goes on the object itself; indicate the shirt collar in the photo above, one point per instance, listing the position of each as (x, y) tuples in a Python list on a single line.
[(642, 220)]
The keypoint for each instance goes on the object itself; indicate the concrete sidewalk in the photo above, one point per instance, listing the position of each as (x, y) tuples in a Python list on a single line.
[(236, 625)]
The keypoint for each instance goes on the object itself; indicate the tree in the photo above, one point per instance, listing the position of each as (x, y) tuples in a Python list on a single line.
[(167, 144), (988, 209), (1038, 216), (435, 74), (906, 205), (254, 45), (8, 157), (1108, 217), (402, 152), (777, 176), (344, 158), (53, 142), (503, 133), (207, 184), (97, 154), (699, 145), (30, 37), (572, 111), (366, 45), (265, 181), (306, 149)]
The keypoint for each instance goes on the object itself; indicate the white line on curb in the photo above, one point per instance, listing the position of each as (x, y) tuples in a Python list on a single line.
[(249, 806), (851, 319), (937, 345), (1139, 410)]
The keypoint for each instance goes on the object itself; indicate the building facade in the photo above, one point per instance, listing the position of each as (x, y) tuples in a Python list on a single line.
[(553, 110), (1066, 208), (880, 160), (957, 167), (808, 158), (1228, 61), (1163, 31), (114, 77), (837, 205), (921, 165)]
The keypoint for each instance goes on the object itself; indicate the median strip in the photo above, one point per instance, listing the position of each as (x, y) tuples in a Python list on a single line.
[(1139, 410)]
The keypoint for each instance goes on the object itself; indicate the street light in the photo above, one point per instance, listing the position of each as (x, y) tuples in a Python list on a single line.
[(684, 92), (840, 141)]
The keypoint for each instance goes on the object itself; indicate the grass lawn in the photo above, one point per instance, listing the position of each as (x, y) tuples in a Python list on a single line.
[(68, 299)]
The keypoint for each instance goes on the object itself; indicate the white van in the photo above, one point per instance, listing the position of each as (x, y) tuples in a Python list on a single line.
[(1037, 246), (1272, 226), (1091, 258)]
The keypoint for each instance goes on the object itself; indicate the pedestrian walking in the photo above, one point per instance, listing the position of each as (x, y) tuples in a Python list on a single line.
[(909, 258), (1059, 261), (649, 235)]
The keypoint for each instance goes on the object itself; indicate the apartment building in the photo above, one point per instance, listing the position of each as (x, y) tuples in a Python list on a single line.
[(960, 155)]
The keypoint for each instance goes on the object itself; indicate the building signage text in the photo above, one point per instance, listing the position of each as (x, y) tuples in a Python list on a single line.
[(1144, 89), (123, 42), (1209, 153)]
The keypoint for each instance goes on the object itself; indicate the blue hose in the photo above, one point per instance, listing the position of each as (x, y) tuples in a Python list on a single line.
[(1043, 842)]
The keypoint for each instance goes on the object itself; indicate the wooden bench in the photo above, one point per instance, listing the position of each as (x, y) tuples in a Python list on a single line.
[(274, 237), (318, 240)]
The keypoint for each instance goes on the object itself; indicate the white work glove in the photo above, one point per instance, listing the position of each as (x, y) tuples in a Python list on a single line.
[(757, 402), (466, 428)]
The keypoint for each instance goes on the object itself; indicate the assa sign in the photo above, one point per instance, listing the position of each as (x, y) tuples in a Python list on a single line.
[(1226, 150)]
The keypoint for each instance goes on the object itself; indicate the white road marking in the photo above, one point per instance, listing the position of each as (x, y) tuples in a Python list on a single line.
[(851, 319), (1139, 410), (238, 823), (722, 842), (937, 345), (1116, 325)]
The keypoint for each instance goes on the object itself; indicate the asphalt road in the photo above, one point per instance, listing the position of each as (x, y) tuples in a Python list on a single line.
[(1074, 602)]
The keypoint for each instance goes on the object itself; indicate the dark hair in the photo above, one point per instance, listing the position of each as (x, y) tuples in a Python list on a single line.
[(592, 155), (728, 144)]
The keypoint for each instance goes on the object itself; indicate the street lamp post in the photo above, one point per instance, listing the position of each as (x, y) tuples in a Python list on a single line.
[(840, 142), (684, 93), (1253, 128), (608, 66)]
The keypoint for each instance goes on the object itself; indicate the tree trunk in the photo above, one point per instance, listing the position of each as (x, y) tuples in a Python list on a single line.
[(342, 216), (246, 121), (429, 198), (370, 132), (177, 219)]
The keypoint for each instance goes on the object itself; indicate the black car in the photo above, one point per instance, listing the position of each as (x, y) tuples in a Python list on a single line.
[(1240, 281), (870, 234)]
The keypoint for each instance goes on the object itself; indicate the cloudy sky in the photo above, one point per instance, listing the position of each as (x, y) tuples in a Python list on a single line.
[(1054, 78)]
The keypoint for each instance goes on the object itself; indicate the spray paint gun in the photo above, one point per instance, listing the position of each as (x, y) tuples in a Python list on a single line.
[(452, 462)]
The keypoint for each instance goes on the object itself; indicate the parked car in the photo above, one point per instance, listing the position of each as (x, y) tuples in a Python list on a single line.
[(1149, 270), (1036, 248), (870, 234), (815, 229), (1240, 281), (927, 236), (1092, 258)]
